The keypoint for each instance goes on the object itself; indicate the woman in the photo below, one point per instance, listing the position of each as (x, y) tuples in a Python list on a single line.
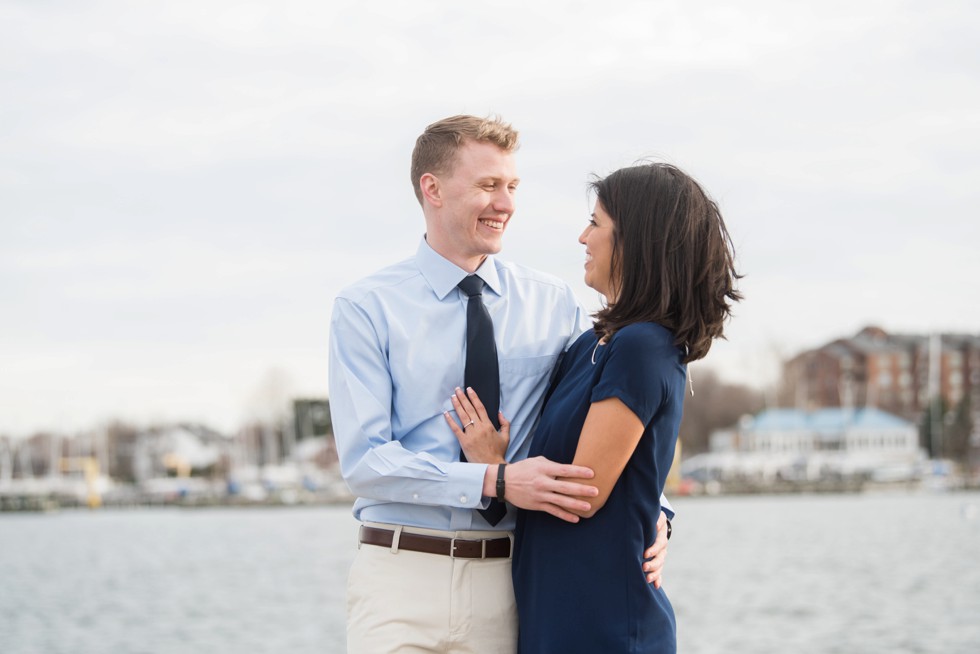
[(658, 250)]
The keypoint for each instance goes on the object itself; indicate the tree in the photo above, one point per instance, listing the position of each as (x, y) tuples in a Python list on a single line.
[(123, 448), (714, 405), (945, 432)]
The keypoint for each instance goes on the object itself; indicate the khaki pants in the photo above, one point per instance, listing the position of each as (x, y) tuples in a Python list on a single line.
[(402, 601)]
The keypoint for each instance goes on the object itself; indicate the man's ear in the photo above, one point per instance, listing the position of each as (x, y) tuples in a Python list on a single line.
[(431, 189)]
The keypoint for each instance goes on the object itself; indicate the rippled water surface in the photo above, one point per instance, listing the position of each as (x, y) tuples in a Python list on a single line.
[(843, 573)]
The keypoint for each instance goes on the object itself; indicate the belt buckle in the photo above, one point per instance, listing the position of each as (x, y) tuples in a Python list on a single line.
[(452, 547)]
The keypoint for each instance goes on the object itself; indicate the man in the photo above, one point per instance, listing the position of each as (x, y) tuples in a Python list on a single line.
[(432, 572)]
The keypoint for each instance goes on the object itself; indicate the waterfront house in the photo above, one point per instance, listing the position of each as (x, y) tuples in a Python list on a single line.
[(796, 445)]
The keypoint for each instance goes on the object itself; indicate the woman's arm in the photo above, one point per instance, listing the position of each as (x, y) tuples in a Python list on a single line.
[(609, 436)]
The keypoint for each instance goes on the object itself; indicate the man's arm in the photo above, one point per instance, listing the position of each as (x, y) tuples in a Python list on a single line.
[(655, 555), (538, 484), (373, 463), (377, 466)]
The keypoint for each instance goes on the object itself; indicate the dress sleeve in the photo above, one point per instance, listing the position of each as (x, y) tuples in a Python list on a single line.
[(638, 369)]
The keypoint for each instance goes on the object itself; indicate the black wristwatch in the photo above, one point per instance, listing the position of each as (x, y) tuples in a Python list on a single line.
[(500, 481), (669, 529)]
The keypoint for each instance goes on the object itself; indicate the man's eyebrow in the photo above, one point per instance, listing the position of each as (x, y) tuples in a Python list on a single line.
[(494, 178)]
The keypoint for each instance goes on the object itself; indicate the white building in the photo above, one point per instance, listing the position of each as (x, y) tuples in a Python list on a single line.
[(795, 444)]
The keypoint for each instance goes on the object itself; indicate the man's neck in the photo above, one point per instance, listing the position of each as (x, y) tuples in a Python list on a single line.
[(469, 264)]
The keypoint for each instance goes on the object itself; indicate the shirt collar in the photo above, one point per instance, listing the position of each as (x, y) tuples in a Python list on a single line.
[(443, 275)]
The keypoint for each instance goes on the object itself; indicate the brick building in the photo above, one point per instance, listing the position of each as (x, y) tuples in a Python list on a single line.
[(897, 373)]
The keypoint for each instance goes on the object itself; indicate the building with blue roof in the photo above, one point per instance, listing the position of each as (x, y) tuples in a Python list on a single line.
[(898, 373), (793, 443), (822, 430)]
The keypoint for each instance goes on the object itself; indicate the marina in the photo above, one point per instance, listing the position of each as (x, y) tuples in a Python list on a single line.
[(872, 572)]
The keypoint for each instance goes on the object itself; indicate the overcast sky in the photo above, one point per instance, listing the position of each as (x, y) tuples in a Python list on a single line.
[(185, 186)]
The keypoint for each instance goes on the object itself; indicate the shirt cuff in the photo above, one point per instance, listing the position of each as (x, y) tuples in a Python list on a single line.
[(466, 479)]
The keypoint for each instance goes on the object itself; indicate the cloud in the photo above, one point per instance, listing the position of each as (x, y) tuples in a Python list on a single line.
[(184, 188)]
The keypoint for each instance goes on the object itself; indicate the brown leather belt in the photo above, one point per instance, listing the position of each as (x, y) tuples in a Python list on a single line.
[(487, 548)]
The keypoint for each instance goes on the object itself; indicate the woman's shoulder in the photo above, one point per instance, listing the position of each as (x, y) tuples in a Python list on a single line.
[(645, 345), (645, 334)]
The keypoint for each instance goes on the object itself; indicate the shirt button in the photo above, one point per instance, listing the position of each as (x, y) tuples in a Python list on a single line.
[(415, 496), (462, 498)]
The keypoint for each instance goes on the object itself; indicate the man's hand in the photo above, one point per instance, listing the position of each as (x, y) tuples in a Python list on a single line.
[(532, 484), (656, 554)]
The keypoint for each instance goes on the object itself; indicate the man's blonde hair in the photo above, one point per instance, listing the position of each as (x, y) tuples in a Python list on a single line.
[(435, 150)]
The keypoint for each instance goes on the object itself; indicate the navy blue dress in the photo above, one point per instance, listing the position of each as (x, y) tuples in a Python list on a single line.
[(581, 587)]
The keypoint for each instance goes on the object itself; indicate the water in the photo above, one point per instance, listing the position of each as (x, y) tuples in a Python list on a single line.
[(827, 574), (823, 574)]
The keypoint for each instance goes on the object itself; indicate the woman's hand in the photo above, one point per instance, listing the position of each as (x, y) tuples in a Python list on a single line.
[(481, 441)]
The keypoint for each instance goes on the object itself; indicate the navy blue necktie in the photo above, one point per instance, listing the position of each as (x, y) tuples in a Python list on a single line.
[(482, 373)]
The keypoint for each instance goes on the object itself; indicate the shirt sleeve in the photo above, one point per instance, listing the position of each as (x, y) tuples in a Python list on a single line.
[(374, 464), (581, 320)]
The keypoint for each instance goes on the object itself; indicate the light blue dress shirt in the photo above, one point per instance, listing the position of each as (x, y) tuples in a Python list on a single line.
[(397, 352)]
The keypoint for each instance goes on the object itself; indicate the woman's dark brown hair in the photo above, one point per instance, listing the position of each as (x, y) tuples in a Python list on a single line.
[(673, 262)]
